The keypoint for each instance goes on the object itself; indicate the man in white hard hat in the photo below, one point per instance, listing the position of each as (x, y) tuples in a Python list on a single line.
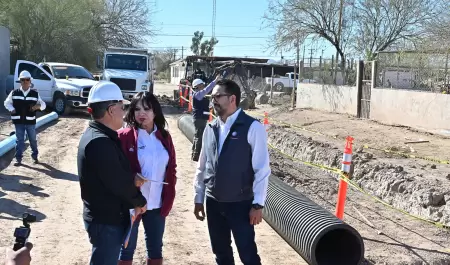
[(23, 103), (107, 183), (200, 112)]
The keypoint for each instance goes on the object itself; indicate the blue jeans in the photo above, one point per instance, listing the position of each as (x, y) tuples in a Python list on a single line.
[(106, 241), (225, 218), (20, 142), (154, 225)]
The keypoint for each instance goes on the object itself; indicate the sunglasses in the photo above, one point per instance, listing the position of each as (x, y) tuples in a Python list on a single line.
[(25, 79), (216, 97)]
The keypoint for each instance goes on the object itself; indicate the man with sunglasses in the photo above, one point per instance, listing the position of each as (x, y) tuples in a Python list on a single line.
[(23, 103), (106, 180), (233, 171), (200, 112)]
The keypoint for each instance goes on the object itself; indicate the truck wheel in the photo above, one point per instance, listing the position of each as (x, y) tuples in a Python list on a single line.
[(279, 87), (60, 105)]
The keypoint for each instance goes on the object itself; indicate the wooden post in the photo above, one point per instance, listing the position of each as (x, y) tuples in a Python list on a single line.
[(359, 84)]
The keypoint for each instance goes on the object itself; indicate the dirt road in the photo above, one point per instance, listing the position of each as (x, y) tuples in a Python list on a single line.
[(51, 191)]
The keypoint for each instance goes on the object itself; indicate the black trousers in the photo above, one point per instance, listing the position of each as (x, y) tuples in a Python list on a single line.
[(199, 125)]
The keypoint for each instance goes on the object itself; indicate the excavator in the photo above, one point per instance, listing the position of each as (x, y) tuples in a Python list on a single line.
[(235, 71)]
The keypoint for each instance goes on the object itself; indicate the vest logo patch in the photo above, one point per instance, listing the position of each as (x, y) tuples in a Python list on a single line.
[(131, 149), (234, 135)]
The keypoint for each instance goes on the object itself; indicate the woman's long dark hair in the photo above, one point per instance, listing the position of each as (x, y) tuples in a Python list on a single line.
[(148, 100)]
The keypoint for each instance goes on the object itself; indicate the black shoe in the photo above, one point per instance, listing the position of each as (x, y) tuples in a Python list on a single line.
[(36, 161), (18, 163)]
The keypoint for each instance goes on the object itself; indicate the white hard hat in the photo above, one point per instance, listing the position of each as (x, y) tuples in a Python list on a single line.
[(25, 74), (197, 82), (105, 91)]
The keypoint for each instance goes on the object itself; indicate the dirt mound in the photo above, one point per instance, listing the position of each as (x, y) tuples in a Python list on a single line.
[(419, 191)]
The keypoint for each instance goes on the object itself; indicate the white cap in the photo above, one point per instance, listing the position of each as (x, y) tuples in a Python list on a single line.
[(105, 91), (25, 74), (197, 82)]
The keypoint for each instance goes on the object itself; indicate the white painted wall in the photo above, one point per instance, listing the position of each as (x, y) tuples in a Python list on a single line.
[(339, 99)]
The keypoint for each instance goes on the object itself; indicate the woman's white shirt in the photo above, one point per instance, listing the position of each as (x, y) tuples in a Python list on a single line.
[(153, 159)]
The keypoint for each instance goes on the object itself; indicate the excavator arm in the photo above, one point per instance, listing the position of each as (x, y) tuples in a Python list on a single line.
[(237, 72)]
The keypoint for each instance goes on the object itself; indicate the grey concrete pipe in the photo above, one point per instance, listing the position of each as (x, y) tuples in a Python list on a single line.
[(313, 232)]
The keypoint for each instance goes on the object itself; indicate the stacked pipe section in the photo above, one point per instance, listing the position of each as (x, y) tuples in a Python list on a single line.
[(314, 233)]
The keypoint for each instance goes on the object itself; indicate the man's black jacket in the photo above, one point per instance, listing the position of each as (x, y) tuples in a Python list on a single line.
[(107, 188)]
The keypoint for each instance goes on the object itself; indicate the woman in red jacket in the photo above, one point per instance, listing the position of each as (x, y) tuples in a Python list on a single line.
[(149, 148)]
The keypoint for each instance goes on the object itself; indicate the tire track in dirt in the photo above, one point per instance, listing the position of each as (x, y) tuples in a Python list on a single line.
[(51, 190)]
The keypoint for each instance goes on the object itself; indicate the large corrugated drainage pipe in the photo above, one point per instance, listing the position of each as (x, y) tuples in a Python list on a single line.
[(316, 234), (10, 142)]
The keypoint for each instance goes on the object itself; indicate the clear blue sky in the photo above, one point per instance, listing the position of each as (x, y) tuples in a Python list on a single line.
[(238, 18)]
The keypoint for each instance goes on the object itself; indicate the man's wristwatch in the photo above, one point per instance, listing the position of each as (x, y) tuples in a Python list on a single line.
[(257, 206)]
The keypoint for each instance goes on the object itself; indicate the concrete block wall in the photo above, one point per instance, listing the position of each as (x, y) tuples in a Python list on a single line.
[(339, 99), (422, 110)]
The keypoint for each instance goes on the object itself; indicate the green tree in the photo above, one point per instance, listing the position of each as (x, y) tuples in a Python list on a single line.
[(74, 31), (205, 48)]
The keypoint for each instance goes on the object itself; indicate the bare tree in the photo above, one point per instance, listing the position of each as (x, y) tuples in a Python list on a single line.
[(125, 23), (366, 26), (437, 34), (381, 24), (164, 58), (300, 19)]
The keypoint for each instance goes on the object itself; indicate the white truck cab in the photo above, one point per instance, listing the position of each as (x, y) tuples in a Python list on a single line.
[(60, 85), (131, 69)]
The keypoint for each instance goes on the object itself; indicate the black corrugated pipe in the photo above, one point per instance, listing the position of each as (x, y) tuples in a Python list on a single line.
[(317, 235)]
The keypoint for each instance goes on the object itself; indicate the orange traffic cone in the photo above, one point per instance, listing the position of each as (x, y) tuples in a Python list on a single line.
[(266, 120), (181, 95), (190, 102), (186, 91), (210, 115), (346, 166)]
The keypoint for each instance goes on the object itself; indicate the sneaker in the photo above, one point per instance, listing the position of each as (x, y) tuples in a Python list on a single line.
[(36, 161), (18, 163)]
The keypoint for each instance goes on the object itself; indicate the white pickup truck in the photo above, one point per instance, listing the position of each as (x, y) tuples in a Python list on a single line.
[(60, 85), (287, 81)]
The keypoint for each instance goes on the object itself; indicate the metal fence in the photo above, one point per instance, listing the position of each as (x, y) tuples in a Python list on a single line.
[(414, 70), (328, 71)]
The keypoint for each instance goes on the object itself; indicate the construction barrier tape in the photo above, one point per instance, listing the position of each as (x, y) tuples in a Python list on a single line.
[(355, 186), (405, 155), (409, 156), (187, 100)]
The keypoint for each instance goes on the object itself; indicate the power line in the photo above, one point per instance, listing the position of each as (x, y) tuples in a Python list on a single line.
[(230, 37), (206, 25), (218, 46)]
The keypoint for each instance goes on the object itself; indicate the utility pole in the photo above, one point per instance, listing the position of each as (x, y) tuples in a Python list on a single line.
[(310, 57), (182, 52), (304, 50)]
